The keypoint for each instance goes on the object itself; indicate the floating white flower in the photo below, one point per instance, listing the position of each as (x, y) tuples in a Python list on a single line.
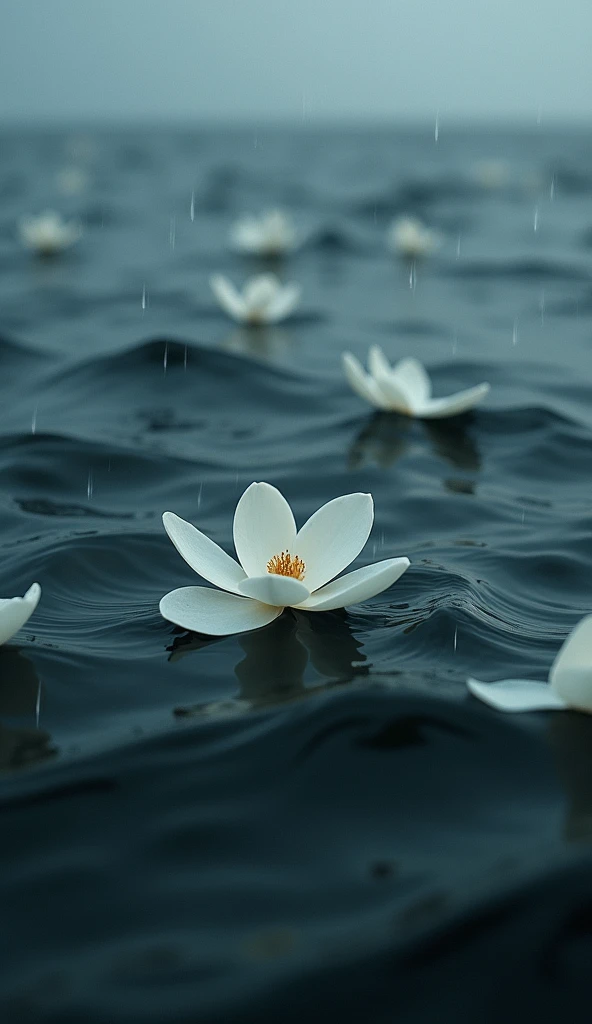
[(48, 233), (269, 235), (279, 566), (408, 237), (405, 387), (263, 300), (569, 686), (15, 611)]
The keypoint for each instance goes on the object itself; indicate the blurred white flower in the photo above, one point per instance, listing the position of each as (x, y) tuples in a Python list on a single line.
[(491, 173), (408, 237), (48, 233), (279, 566), (569, 685), (72, 181), (405, 387), (15, 611), (263, 300), (271, 234)]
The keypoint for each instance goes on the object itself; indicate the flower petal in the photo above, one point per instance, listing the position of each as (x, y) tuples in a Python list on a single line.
[(214, 612), (414, 379), (442, 408), (361, 382), (516, 695), (283, 304), (333, 537), (263, 527), (276, 590), (228, 297), (15, 611), (397, 396), (571, 672), (259, 292), (357, 586), (202, 554)]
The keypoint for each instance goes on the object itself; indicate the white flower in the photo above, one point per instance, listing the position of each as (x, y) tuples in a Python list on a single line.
[(269, 235), (279, 566), (264, 299), (491, 173), (405, 387), (15, 611), (569, 686), (409, 237), (48, 233)]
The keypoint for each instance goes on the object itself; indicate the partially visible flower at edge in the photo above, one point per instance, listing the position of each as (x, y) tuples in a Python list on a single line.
[(569, 685), (279, 566), (16, 611)]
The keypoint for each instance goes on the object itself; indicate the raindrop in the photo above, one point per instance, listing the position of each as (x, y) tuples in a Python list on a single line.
[(412, 276), (536, 218), (437, 127), (552, 189), (34, 421), (199, 495), (455, 637), (192, 207), (38, 705), (515, 333), (144, 297), (173, 232), (89, 485), (458, 246), (165, 358), (185, 358)]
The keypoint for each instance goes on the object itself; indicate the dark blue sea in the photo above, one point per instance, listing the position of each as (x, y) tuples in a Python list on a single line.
[(313, 821)]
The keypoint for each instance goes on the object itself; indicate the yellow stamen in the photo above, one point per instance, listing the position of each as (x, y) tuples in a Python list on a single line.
[(286, 564)]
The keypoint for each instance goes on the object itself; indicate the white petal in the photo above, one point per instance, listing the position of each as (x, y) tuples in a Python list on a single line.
[(15, 611), (357, 586), (362, 383), (280, 591), (414, 379), (571, 672), (398, 397), (333, 537), (260, 292), (283, 304), (377, 361), (263, 527), (517, 695), (454, 405), (214, 612), (228, 297), (203, 554)]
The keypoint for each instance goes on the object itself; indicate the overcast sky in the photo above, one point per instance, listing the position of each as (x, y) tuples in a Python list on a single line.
[(254, 60)]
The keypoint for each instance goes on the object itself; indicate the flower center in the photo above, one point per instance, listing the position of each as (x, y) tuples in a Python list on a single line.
[(286, 564)]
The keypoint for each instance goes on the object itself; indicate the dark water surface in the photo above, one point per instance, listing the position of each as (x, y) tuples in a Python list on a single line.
[(314, 820)]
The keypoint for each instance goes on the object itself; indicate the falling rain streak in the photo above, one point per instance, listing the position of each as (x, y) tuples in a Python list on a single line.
[(144, 297), (89, 485), (536, 219), (437, 127), (173, 232), (515, 333), (34, 421), (192, 207), (165, 358)]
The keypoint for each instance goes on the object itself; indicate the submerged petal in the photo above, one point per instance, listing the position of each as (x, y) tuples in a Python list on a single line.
[(276, 590), (357, 586), (362, 383), (517, 695), (15, 611), (332, 537), (453, 405), (203, 554), (214, 612), (228, 297), (263, 527)]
